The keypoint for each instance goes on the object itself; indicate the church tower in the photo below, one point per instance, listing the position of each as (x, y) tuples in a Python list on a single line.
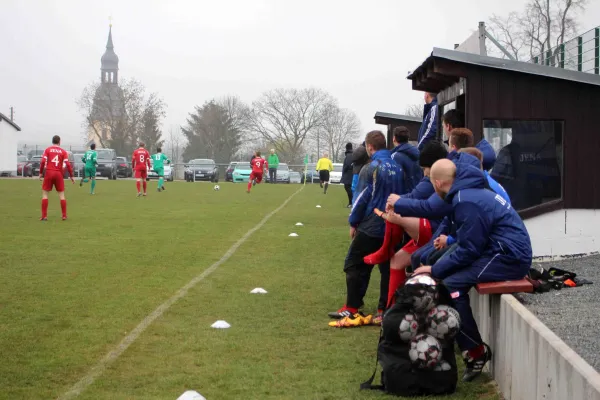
[(110, 63)]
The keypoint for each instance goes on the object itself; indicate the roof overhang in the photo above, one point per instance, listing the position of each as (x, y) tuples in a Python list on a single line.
[(383, 118), (5, 118)]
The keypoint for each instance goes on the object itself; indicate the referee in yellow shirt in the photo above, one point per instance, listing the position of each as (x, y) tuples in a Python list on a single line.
[(324, 166)]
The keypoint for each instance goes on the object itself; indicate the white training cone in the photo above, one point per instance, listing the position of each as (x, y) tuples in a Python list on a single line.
[(220, 324), (318, 206), (258, 290), (299, 224), (293, 234), (191, 395)]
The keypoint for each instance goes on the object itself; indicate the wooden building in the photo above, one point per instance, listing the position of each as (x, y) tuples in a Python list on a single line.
[(393, 120)]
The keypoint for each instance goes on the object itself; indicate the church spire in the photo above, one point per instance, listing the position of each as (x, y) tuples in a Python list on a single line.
[(109, 61)]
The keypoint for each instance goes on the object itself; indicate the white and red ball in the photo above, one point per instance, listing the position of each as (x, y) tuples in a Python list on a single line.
[(426, 296), (443, 322), (409, 327), (425, 351)]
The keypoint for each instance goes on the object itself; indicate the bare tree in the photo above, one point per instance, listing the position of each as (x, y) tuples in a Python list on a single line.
[(175, 144), (540, 27), (339, 127), (286, 118), (414, 110)]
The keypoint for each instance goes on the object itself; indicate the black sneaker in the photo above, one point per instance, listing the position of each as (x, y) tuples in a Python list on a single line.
[(474, 366), (162, 188), (339, 314)]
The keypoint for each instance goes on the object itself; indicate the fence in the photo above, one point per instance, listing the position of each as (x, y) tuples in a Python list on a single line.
[(579, 54)]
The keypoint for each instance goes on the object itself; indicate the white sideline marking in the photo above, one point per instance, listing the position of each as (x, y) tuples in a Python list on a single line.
[(109, 358)]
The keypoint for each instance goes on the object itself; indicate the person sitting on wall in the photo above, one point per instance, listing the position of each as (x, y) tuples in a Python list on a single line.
[(407, 157), (492, 245)]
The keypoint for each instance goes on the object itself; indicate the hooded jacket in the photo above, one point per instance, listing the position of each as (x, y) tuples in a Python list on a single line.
[(273, 161), (347, 169), (428, 129), (407, 157), (359, 159), (487, 226), (383, 178), (489, 154)]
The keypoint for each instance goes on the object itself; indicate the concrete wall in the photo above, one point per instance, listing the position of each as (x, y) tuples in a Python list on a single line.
[(8, 147), (564, 233), (529, 361)]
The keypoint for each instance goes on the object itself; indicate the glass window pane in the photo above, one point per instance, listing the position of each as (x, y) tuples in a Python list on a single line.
[(529, 159)]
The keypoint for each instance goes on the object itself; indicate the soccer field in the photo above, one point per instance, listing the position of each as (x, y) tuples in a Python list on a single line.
[(71, 291)]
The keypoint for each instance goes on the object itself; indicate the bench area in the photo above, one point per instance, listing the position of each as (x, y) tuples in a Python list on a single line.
[(505, 287)]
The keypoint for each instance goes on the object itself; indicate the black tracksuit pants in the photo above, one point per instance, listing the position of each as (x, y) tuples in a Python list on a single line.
[(348, 192)]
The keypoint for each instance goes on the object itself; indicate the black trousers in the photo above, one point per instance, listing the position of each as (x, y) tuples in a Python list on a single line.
[(358, 273), (272, 175), (348, 192)]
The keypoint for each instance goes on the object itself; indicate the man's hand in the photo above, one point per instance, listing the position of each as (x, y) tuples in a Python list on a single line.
[(352, 232), (423, 269), (392, 199), (73, 180), (41, 177), (440, 242)]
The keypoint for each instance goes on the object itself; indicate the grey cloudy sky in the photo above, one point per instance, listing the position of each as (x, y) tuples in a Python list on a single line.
[(190, 51)]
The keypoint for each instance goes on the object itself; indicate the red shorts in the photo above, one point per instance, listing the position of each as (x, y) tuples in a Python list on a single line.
[(53, 178), (256, 175), (141, 173), (424, 237)]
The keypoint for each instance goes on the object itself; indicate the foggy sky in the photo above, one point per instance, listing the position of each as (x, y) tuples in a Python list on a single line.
[(190, 51)]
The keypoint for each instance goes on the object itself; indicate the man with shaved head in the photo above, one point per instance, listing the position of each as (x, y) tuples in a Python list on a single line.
[(492, 244)]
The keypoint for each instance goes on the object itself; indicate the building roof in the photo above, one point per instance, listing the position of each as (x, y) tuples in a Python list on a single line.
[(5, 118), (507, 65), (110, 60), (389, 116)]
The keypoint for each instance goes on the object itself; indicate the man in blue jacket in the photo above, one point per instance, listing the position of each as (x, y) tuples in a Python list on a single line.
[(492, 245), (428, 129), (367, 231), (407, 157)]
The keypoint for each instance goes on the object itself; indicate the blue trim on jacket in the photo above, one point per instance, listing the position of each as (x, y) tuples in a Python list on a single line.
[(407, 157)]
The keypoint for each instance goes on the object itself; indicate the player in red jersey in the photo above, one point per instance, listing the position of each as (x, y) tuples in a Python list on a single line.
[(140, 161), (259, 165), (52, 161)]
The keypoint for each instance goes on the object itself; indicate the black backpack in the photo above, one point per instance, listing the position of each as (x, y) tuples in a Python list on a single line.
[(398, 376)]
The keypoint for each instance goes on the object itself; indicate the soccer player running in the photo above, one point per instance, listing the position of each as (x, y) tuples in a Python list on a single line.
[(259, 165), (158, 163), (52, 160), (140, 161), (90, 158)]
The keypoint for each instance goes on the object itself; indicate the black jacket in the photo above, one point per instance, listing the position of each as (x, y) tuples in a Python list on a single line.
[(359, 158), (347, 169)]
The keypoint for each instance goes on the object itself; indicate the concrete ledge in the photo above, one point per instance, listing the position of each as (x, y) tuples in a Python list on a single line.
[(530, 362)]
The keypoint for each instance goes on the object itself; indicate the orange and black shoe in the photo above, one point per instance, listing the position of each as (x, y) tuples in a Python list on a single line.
[(352, 321)]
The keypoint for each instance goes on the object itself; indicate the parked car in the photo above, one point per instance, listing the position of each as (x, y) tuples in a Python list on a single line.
[(33, 153), (201, 169), (123, 168), (168, 171), (241, 172), (335, 176), (34, 163), (229, 171), (107, 163), (79, 164), (295, 177), (23, 166), (71, 159), (310, 174), (283, 174)]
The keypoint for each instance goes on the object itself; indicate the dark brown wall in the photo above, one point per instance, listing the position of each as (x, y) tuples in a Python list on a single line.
[(497, 94), (413, 128)]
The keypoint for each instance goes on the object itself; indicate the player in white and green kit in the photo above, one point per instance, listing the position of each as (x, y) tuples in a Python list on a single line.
[(158, 165), (90, 158)]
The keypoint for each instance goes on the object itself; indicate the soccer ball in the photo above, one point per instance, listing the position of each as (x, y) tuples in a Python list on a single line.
[(217, 188), (443, 366), (409, 327), (425, 351), (443, 322), (424, 291)]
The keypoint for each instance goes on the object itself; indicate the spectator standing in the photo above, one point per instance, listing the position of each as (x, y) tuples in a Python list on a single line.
[(273, 162), (347, 173), (428, 129), (407, 157), (324, 167)]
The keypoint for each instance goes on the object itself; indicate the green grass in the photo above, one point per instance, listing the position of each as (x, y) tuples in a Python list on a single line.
[(71, 291)]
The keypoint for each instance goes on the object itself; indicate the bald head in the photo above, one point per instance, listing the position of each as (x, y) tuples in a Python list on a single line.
[(442, 176)]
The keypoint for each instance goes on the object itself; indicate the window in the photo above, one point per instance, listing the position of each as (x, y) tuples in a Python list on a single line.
[(445, 108), (529, 162)]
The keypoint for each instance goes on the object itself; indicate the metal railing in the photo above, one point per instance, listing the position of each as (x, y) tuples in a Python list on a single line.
[(579, 54)]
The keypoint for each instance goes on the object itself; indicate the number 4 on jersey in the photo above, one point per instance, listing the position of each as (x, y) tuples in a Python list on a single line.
[(55, 160)]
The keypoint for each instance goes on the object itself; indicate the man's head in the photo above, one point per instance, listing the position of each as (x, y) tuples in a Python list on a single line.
[(432, 151), (460, 139), (93, 146), (56, 140), (428, 96), (159, 150), (374, 142), (142, 144), (442, 176), (272, 151), (401, 135), (452, 119), (348, 146), (257, 154), (475, 152)]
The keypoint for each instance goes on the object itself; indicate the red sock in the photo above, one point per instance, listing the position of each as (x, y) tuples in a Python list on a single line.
[(137, 185), (44, 208), (477, 351), (144, 184), (249, 185), (397, 278), (393, 236), (63, 207)]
